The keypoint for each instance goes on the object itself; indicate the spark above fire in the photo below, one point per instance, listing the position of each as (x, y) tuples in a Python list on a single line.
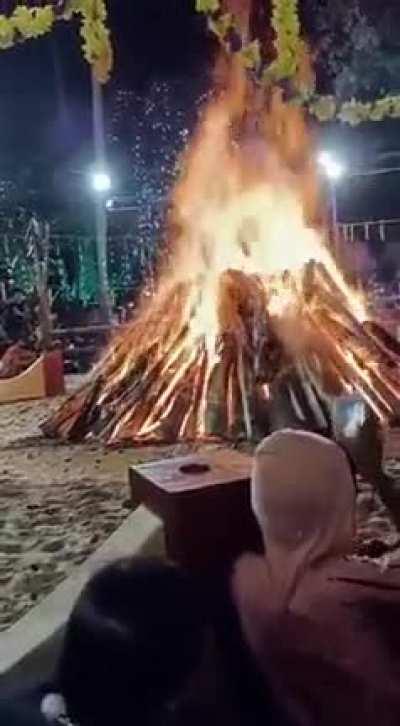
[(250, 298)]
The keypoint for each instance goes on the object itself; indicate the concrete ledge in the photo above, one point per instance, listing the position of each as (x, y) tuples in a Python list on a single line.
[(28, 650)]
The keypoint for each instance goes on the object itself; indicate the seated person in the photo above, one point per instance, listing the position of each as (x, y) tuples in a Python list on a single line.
[(134, 641), (17, 358), (322, 626), (135, 636), (17, 320)]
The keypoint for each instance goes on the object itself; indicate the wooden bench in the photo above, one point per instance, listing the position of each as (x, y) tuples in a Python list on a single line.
[(45, 377)]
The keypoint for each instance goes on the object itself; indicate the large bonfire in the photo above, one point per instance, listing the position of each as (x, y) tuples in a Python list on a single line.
[(250, 293)]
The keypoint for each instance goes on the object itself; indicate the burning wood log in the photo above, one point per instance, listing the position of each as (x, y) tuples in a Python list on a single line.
[(177, 389), (252, 302)]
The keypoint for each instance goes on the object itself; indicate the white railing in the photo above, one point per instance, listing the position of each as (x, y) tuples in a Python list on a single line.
[(366, 230)]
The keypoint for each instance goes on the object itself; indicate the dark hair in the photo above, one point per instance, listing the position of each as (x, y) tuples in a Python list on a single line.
[(135, 635)]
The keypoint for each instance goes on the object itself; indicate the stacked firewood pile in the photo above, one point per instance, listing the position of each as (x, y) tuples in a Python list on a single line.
[(157, 383), (249, 300)]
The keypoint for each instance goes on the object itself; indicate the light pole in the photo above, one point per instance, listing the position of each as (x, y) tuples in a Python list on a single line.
[(334, 170), (101, 184)]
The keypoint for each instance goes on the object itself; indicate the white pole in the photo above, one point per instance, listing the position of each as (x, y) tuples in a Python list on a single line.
[(334, 215), (101, 213)]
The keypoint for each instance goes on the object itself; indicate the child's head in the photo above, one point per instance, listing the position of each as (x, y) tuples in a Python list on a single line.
[(136, 634)]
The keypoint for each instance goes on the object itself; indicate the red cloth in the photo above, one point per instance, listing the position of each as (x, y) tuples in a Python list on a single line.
[(338, 663)]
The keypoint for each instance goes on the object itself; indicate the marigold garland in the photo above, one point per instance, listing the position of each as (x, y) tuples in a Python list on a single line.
[(286, 24), (290, 64), (27, 22), (326, 108)]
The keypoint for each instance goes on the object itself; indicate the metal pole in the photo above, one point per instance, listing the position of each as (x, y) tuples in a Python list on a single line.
[(334, 214), (100, 210), (334, 207)]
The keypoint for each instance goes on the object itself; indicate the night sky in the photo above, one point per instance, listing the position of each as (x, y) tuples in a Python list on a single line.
[(44, 83), (45, 117), (45, 114)]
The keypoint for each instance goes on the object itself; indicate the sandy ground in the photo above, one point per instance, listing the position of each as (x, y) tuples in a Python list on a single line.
[(59, 502)]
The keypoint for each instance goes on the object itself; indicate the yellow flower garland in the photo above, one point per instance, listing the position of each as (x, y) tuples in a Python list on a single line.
[(326, 108), (25, 23), (290, 49), (286, 24)]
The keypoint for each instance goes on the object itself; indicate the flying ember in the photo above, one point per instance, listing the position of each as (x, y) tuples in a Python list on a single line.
[(250, 298)]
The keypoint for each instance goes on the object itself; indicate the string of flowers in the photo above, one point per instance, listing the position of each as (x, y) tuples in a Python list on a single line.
[(291, 52), (353, 112), (27, 22), (286, 24)]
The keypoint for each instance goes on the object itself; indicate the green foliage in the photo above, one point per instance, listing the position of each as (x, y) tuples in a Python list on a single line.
[(25, 23), (207, 6)]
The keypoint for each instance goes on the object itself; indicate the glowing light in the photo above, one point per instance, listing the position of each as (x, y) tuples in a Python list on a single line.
[(333, 168), (101, 182)]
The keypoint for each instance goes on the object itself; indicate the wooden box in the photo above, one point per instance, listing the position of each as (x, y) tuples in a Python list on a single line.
[(204, 503)]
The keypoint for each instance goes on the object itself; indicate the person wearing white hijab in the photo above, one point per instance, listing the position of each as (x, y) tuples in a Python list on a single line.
[(324, 628)]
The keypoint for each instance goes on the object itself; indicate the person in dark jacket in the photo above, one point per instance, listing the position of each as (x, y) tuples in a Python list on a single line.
[(135, 636), (134, 641)]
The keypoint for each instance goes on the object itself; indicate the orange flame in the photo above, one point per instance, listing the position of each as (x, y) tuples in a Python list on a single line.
[(251, 287), (248, 200)]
